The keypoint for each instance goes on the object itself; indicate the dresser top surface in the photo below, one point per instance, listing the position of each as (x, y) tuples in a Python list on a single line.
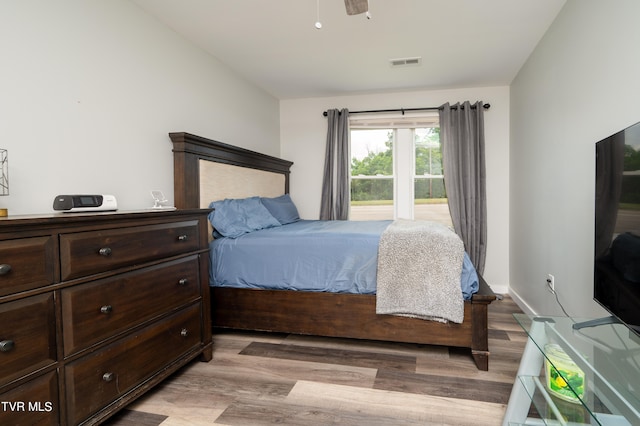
[(84, 217)]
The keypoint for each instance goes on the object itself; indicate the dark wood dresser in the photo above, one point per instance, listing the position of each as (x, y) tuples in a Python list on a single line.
[(95, 309)]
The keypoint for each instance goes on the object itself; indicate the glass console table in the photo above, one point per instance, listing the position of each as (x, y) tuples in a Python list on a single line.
[(604, 389)]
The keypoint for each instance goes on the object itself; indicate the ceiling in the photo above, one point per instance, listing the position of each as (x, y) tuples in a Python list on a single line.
[(275, 45)]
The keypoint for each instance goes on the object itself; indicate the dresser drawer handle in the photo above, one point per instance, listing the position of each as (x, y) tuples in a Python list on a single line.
[(183, 282), (107, 377), (6, 345), (106, 309), (105, 251), (184, 332), (5, 269), (183, 237)]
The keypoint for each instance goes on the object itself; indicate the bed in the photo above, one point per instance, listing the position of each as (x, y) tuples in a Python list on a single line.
[(207, 170)]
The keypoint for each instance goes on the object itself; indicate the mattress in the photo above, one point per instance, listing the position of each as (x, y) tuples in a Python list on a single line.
[(309, 255)]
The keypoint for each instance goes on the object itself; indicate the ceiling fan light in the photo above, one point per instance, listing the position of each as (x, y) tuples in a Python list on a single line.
[(318, 24)]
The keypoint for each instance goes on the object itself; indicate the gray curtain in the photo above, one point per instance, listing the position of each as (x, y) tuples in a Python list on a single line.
[(462, 139), (334, 204)]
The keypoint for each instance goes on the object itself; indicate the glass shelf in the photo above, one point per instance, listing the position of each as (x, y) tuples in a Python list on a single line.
[(601, 388), (546, 408)]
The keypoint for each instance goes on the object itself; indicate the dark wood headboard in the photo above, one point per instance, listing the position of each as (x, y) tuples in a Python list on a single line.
[(189, 152)]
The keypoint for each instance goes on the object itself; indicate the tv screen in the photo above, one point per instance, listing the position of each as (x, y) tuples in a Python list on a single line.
[(617, 226)]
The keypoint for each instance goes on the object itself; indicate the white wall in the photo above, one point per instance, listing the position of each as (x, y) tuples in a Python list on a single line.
[(89, 91), (580, 85), (303, 132)]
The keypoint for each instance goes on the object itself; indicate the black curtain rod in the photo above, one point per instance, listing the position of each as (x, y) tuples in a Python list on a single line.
[(403, 110)]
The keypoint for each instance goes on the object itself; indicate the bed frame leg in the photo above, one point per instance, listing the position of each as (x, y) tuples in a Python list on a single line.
[(481, 359), (480, 335)]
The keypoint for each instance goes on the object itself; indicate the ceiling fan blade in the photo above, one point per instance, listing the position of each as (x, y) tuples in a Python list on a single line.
[(355, 7)]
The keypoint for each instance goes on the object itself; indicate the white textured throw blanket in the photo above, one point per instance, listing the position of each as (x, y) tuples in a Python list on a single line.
[(419, 268)]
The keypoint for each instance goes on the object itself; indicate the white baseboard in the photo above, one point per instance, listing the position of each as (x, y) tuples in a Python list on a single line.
[(500, 289), (521, 303)]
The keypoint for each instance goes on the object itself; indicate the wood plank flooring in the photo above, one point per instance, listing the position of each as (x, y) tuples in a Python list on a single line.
[(265, 379)]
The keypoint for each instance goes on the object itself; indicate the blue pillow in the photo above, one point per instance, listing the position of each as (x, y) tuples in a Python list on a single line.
[(282, 208), (235, 217), (469, 278)]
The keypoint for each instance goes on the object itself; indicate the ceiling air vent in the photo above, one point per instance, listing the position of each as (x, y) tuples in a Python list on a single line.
[(405, 62)]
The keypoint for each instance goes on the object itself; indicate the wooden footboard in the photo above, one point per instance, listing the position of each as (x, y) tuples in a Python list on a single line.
[(349, 316)]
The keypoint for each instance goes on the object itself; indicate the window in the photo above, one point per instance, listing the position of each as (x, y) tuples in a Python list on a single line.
[(429, 194), (396, 170), (372, 178)]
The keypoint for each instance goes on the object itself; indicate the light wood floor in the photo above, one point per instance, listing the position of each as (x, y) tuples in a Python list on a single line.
[(263, 379)]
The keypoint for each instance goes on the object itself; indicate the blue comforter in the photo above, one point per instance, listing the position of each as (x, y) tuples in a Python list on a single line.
[(309, 255)]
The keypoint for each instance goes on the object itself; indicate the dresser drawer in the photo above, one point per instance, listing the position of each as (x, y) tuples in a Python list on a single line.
[(92, 312), (27, 336), (97, 379), (26, 263), (33, 403), (86, 253)]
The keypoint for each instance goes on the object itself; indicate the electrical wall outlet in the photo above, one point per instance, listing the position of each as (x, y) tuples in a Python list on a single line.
[(551, 282)]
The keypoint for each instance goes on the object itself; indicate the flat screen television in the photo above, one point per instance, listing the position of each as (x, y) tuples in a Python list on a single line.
[(617, 227)]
